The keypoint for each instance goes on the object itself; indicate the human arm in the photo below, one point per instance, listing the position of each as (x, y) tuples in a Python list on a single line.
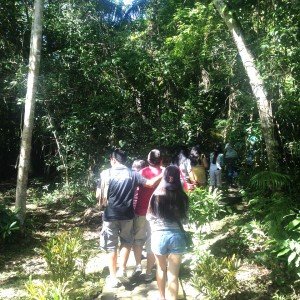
[(204, 161), (98, 192), (98, 188), (102, 188), (153, 181)]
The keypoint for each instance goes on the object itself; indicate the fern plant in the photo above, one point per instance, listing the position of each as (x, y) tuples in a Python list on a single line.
[(270, 181)]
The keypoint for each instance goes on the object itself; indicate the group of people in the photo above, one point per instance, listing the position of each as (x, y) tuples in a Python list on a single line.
[(145, 206), (151, 200), (194, 166)]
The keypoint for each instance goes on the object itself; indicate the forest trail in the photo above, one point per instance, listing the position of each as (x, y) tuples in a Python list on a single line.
[(137, 288)]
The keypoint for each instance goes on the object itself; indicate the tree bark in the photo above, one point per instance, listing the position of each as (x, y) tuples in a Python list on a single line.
[(257, 85), (25, 150)]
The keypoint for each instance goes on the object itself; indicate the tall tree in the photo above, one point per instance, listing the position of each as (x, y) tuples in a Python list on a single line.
[(256, 82), (34, 64)]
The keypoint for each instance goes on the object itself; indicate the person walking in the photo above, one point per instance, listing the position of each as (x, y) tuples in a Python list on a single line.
[(118, 214), (141, 228), (199, 165), (184, 163), (215, 168), (138, 165), (167, 208), (230, 157)]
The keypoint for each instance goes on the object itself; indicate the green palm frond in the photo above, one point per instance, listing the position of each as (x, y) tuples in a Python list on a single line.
[(268, 180)]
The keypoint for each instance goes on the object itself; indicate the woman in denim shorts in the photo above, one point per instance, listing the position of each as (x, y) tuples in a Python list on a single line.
[(167, 207)]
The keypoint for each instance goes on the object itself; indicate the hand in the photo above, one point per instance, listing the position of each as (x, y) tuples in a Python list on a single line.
[(191, 186)]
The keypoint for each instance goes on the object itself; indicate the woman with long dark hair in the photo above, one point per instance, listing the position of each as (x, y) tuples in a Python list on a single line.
[(167, 208)]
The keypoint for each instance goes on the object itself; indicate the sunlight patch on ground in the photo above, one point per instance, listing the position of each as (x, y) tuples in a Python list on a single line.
[(96, 264), (31, 206), (11, 293), (251, 272), (63, 213), (4, 275), (91, 235), (36, 266), (43, 234)]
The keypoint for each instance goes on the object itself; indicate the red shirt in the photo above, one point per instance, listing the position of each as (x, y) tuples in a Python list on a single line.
[(143, 194), (183, 181)]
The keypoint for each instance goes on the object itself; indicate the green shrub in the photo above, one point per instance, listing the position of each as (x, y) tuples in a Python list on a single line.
[(66, 255), (8, 222), (254, 236), (216, 277), (75, 196), (47, 290), (281, 225), (204, 206), (289, 247)]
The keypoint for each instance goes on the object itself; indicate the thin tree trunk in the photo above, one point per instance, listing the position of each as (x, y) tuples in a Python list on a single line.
[(232, 107), (256, 82), (63, 161), (34, 63)]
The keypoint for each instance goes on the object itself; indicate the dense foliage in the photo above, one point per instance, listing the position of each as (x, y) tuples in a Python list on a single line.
[(161, 74), (169, 77)]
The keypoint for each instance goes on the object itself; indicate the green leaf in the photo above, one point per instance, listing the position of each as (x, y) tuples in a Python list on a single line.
[(283, 252), (293, 224), (292, 257)]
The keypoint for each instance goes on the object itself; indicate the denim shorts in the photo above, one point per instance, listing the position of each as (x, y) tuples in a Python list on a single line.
[(165, 242)]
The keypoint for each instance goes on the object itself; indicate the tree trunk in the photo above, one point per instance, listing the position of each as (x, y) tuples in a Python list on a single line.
[(34, 63), (257, 85), (61, 156)]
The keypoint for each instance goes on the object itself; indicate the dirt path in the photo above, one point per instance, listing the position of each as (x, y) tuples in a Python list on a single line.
[(137, 288)]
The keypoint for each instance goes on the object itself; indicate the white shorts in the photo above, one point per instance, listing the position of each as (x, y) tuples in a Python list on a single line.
[(215, 177)]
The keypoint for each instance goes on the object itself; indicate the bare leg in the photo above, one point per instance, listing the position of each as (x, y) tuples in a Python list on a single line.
[(150, 262), (150, 255), (137, 250), (161, 274), (124, 254), (174, 261), (112, 263)]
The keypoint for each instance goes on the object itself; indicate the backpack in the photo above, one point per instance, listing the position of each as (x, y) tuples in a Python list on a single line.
[(102, 189), (231, 153)]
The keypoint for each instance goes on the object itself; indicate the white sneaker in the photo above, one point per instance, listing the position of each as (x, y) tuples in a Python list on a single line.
[(122, 275), (112, 282), (137, 270)]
